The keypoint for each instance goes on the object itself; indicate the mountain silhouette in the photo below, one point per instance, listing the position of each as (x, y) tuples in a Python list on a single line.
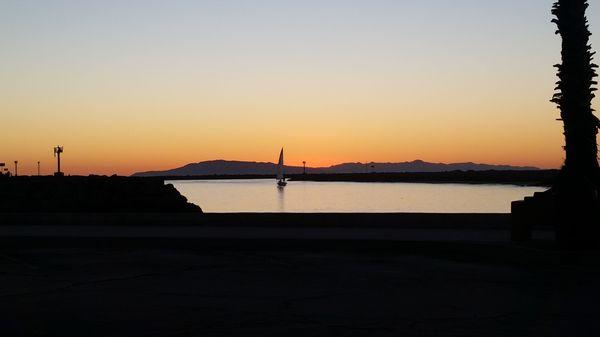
[(231, 167)]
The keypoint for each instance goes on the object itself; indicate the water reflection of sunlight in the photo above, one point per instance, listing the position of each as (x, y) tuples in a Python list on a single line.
[(281, 198), (259, 196)]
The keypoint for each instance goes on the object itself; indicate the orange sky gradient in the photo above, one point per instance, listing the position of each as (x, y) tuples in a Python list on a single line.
[(162, 88)]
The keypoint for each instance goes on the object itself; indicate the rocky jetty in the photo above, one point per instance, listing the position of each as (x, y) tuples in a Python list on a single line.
[(94, 194)]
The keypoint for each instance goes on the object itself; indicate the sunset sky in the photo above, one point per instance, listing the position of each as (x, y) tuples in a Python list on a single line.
[(130, 86)]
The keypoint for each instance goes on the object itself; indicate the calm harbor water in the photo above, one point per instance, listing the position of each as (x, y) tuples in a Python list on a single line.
[(262, 195)]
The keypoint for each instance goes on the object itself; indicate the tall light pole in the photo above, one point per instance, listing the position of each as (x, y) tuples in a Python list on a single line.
[(16, 168), (57, 151), (303, 167), (38, 168)]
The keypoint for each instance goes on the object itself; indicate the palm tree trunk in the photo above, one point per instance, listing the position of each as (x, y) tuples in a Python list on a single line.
[(578, 188)]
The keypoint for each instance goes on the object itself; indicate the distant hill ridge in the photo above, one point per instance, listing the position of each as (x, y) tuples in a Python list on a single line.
[(232, 167)]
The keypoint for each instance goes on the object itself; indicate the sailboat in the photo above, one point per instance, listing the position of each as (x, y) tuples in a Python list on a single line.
[(280, 178)]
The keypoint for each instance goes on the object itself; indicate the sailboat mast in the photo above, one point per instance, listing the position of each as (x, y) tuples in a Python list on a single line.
[(280, 166)]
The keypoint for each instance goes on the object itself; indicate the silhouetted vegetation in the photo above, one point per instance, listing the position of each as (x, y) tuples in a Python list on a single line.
[(575, 88), (577, 189)]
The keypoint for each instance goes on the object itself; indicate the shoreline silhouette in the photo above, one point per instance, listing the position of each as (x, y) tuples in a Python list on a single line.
[(519, 178), (233, 167)]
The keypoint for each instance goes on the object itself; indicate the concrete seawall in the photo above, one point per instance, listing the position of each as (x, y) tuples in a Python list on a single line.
[(279, 220), (255, 230)]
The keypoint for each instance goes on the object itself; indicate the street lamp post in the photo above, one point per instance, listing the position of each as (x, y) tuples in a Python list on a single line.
[(57, 151)]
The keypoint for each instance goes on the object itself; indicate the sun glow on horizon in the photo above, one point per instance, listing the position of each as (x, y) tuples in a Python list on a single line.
[(149, 85)]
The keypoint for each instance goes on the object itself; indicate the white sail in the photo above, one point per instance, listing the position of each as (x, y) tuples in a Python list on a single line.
[(280, 166)]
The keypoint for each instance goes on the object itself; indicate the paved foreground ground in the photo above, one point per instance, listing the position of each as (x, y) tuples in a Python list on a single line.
[(142, 291)]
